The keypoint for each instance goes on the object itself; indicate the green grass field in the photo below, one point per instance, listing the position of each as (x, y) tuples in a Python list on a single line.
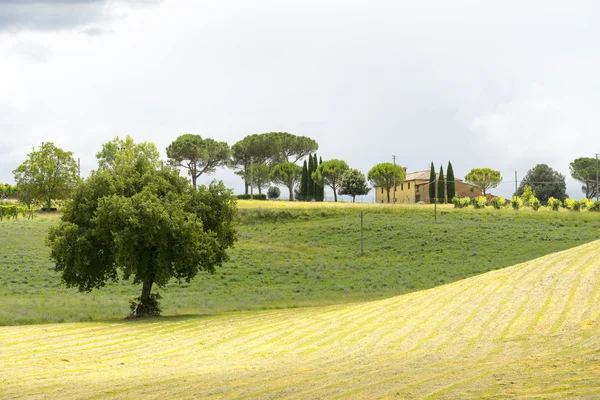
[(529, 331), (300, 254)]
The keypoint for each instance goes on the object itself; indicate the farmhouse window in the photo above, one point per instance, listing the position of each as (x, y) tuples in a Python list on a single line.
[(382, 191), (402, 186), (408, 185)]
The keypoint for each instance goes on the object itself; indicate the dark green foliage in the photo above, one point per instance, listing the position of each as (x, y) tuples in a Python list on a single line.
[(545, 182), (197, 155), (432, 184), (354, 183), (47, 174), (287, 174), (135, 219), (303, 192), (273, 193), (257, 196), (585, 170), (330, 173), (311, 182), (148, 306), (450, 183), (441, 186)]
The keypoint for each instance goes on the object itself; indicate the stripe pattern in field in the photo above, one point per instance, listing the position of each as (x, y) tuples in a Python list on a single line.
[(530, 330)]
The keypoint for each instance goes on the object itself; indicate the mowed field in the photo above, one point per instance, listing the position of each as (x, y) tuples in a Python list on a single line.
[(527, 331)]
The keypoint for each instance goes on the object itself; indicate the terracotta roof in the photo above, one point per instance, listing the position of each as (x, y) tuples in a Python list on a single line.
[(418, 176)]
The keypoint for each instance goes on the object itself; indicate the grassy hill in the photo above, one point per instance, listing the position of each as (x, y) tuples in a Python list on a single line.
[(527, 331), (301, 254)]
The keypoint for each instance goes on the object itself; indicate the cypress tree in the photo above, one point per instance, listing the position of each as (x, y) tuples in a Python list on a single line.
[(303, 195), (310, 191), (441, 186), (450, 184), (321, 183), (317, 190), (432, 184)]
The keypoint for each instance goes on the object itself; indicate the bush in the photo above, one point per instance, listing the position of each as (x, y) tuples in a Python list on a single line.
[(572, 205), (535, 203), (258, 196), (273, 192), (498, 202), (528, 195), (516, 202), (461, 202), (150, 306), (480, 202), (593, 206), (554, 204), (584, 203)]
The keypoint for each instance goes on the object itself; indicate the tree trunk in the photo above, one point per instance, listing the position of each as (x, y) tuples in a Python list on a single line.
[(194, 180), (388, 193), (147, 288), (334, 194), (353, 198), (291, 188)]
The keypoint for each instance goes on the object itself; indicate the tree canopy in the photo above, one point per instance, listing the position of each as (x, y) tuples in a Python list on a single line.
[(331, 173), (441, 186), (143, 220), (450, 182), (197, 155), (584, 170), (483, 178), (287, 174), (545, 183), (354, 183), (383, 175), (431, 185), (47, 174)]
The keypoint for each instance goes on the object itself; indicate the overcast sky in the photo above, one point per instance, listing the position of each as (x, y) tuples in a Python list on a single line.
[(505, 85)]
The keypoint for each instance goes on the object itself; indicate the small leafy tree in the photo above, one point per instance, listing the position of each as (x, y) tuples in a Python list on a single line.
[(572, 204), (383, 175), (287, 174), (480, 202), (483, 178), (354, 184), (535, 203), (133, 218), (331, 173), (197, 155), (48, 174), (273, 192)]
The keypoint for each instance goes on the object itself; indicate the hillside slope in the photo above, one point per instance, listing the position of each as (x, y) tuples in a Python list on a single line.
[(531, 330)]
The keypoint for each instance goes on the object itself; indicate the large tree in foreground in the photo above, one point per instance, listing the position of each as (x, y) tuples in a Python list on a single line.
[(545, 183), (384, 174), (483, 178), (287, 174), (48, 174), (197, 155), (354, 184), (584, 170), (134, 219), (330, 173)]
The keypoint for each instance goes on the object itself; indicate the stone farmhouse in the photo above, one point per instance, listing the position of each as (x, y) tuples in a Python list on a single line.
[(415, 188)]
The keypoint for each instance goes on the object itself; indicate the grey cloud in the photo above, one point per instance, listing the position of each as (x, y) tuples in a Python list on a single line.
[(55, 15)]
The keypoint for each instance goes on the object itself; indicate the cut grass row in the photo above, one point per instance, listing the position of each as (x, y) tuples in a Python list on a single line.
[(527, 331), (300, 254)]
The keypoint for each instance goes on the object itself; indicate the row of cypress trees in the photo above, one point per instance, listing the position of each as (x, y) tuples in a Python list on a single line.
[(311, 189), (446, 188)]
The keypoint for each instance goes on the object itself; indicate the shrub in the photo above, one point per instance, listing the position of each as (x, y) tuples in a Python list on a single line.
[(498, 202), (461, 202), (528, 195), (516, 202), (554, 204), (593, 206), (535, 203), (258, 196), (149, 306), (572, 205), (480, 202), (273, 192)]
